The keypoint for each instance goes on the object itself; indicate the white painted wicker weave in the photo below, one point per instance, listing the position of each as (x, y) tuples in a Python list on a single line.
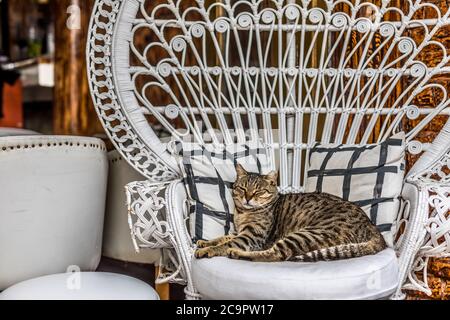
[(280, 70)]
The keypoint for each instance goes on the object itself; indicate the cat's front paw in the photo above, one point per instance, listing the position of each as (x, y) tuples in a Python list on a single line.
[(203, 253), (234, 253), (202, 244)]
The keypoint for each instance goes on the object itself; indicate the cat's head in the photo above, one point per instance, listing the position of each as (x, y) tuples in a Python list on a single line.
[(252, 191)]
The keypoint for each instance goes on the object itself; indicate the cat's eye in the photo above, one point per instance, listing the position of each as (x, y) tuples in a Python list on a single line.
[(262, 193), (239, 189)]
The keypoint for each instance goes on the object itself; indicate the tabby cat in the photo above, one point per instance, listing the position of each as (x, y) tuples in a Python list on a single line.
[(302, 227)]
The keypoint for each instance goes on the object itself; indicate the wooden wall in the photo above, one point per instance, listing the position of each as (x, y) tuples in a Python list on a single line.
[(431, 98)]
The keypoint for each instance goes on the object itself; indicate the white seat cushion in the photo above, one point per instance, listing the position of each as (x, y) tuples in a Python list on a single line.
[(81, 286), (369, 277)]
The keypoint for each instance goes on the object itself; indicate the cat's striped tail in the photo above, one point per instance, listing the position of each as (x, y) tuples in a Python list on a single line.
[(344, 251)]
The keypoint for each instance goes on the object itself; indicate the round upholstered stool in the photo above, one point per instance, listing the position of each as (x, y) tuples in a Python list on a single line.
[(81, 286)]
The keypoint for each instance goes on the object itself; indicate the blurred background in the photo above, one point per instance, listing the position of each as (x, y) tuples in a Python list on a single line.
[(42, 67)]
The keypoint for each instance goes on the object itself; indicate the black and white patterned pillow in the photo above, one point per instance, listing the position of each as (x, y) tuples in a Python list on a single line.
[(209, 173), (370, 176)]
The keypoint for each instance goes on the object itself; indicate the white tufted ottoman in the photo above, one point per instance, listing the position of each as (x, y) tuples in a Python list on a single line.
[(52, 195), (81, 286)]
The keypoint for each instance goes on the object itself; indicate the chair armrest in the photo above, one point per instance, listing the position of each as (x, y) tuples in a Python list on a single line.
[(177, 215), (157, 214), (147, 214), (432, 163), (426, 222)]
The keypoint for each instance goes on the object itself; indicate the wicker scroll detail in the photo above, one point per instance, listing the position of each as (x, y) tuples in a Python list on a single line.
[(116, 123), (231, 71), (436, 241), (147, 215), (440, 287), (147, 218), (281, 70), (440, 171)]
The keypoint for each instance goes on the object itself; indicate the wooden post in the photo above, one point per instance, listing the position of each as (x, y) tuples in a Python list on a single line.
[(163, 290), (73, 109)]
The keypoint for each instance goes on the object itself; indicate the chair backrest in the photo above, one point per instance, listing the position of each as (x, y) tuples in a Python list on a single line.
[(290, 72)]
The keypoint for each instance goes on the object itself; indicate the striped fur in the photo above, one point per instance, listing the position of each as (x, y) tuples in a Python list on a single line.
[(298, 227)]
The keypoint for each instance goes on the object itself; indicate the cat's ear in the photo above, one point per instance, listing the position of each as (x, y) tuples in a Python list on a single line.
[(240, 171), (272, 176)]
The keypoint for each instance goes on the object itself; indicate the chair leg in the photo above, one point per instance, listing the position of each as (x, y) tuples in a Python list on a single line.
[(163, 289), (414, 237)]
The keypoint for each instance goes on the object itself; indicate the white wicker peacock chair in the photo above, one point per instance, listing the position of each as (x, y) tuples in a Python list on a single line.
[(313, 71)]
